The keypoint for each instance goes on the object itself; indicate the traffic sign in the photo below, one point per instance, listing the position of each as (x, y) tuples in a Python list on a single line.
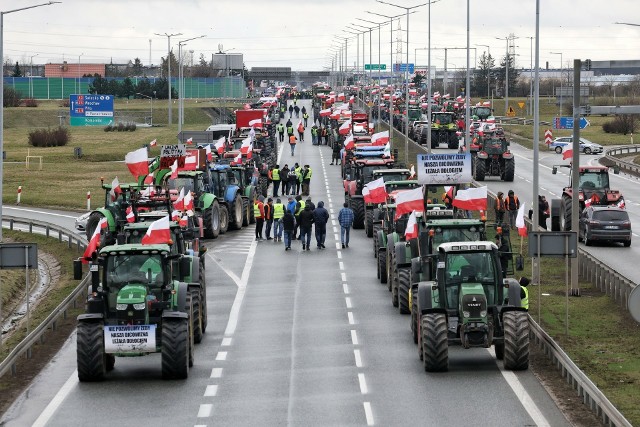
[(567, 123), (548, 136), (521, 105), (403, 67), (375, 66), (511, 112), (90, 110)]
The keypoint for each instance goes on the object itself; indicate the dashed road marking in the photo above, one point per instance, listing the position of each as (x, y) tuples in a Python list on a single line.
[(216, 373), (363, 384), (222, 355), (226, 342), (356, 355), (205, 410), (350, 317), (339, 253), (341, 264), (343, 276), (345, 288), (368, 413), (354, 337), (348, 302), (211, 391)]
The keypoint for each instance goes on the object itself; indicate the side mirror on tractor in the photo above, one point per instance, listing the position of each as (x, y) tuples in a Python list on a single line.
[(554, 170), (77, 269), (616, 169)]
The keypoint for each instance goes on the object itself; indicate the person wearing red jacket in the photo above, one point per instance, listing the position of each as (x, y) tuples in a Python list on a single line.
[(258, 213)]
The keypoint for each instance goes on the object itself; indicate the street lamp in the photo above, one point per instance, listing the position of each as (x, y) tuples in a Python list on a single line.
[(344, 72), (506, 74), (370, 65), (379, 24), (31, 74), (168, 36), (561, 69), (357, 34), (78, 87), (2, 13), (488, 69), (181, 82), (151, 98)]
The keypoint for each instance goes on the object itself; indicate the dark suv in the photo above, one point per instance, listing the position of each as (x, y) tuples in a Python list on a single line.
[(606, 224)]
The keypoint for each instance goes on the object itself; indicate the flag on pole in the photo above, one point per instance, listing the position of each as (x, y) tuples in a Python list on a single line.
[(188, 203), (191, 163), (471, 199), (176, 215), (174, 170), (567, 152), (115, 189), (348, 143), (413, 172), (158, 232), (190, 141), (522, 227), (237, 160), (345, 128), (94, 242), (179, 203), (325, 113), (137, 162), (131, 217), (207, 150), (246, 143), (408, 201), (256, 122), (219, 145), (380, 138), (411, 232), (387, 151), (376, 191), (153, 143)]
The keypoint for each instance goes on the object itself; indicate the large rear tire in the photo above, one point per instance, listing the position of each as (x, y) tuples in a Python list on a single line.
[(565, 214), (382, 266), (479, 170), (516, 340), (92, 223), (246, 216), (435, 345), (224, 219), (369, 222), (91, 358), (263, 185), (394, 280), (175, 348), (414, 315), (237, 219), (404, 287), (212, 221), (197, 316), (509, 169), (357, 204)]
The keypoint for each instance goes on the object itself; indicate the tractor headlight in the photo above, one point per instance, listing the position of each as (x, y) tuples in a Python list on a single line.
[(466, 314), (139, 306), (121, 306), (483, 313)]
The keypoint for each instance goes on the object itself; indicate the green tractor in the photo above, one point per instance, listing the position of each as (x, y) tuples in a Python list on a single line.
[(393, 179), (135, 308), (470, 304), (443, 129), (114, 211)]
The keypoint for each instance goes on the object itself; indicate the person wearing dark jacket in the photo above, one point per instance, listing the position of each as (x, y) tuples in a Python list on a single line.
[(335, 157), (543, 211), (288, 225), (306, 222), (284, 178), (320, 218)]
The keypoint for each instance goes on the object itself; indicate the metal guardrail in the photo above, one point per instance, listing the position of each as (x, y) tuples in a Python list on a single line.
[(25, 346), (588, 392), (625, 166)]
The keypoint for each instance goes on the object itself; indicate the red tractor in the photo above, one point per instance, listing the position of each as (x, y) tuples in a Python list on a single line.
[(593, 190)]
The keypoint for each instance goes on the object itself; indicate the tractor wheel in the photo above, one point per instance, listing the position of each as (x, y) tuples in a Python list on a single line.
[(237, 220), (435, 345), (565, 214), (509, 169), (197, 316), (499, 348), (479, 169), (203, 299), (375, 241), (404, 287), (212, 221), (91, 358), (394, 280), (263, 184), (92, 223), (252, 216), (368, 221), (453, 142), (175, 348), (389, 264), (110, 360), (414, 315), (516, 340), (382, 267), (224, 219), (246, 216), (358, 210)]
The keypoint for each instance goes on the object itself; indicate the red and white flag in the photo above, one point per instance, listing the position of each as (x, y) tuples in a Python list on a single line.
[(377, 193), (341, 96), (137, 162), (115, 189), (153, 143), (250, 152), (94, 242), (179, 203), (352, 99), (176, 215), (131, 217), (190, 141), (325, 113), (191, 163), (345, 128), (448, 189), (471, 199), (158, 232), (149, 178), (207, 150), (348, 143), (174, 170), (380, 138), (219, 145), (412, 172), (147, 192), (256, 122), (246, 143), (237, 160), (411, 232), (335, 115), (567, 152), (183, 221), (621, 204), (188, 203), (408, 201), (522, 227), (387, 150)]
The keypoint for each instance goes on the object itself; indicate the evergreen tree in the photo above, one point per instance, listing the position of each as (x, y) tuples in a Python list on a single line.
[(137, 67), (483, 76), (17, 72)]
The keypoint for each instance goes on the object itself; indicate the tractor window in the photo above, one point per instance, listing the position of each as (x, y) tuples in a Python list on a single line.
[(471, 267), (392, 177), (594, 181), (454, 235), (367, 172), (134, 269), (180, 182)]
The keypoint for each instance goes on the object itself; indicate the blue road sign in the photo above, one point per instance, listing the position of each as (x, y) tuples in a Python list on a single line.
[(401, 68), (567, 123), (90, 110)]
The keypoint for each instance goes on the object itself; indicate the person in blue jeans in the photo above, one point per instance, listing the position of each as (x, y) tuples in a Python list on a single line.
[(288, 224), (306, 223), (345, 218)]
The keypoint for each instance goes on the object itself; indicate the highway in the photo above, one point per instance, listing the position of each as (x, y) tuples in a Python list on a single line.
[(296, 338)]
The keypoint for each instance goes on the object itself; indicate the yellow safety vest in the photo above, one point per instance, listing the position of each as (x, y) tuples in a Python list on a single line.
[(299, 173), (256, 210), (302, 205), (524, 302), (278, 210), (308, 174), (275, 175)]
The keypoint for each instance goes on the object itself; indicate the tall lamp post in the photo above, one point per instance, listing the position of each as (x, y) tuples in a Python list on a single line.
[(168, 36), (181, 82), (506, 71), (379, 24), (346, 65), (561, 69), (2, 13), (488, 69), (31, 75), (78, 87)]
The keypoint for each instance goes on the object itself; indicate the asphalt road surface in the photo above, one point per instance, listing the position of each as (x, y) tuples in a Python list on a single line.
[(294, 338)]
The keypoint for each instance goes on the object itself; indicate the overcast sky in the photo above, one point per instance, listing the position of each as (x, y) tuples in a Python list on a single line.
[(298, 34)]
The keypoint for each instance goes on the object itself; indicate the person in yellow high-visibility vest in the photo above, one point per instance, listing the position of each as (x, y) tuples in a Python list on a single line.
[(275, 178), (278, 214), (524, 293)]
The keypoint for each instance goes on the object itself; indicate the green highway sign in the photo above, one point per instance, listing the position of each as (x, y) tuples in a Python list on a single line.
[(375, 66)]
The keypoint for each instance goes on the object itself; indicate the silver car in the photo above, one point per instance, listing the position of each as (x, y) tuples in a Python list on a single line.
[(81, 221), (586, 146)]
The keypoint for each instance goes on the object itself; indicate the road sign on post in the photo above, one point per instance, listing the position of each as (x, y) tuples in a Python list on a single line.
[(548, 136), (401, 68), (375, 67), (567, 123), (90, 110), (511, 112)]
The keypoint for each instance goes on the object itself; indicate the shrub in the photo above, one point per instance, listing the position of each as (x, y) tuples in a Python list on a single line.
[(65, 103), (30, 102), (109, 128), (121, 127), (11, 97), (131, 127), (49, 137), (622, 124)]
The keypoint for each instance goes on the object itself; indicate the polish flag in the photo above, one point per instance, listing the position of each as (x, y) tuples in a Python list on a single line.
[(348, 143), (188, 203), (137, 162), (335, 115), (352, 99), (387, 151), (567, 152), (176, 215), (621, 204), (256, 122), (220, 145), (246, 143), (345, 128), (183, 221), (341, 96), (487, 103), (94, 242), (411, 232), (408, 201), (153, 143), (377, 193), (207, 150), (472, 199), (158, 232), (174, 170), (190, 163), (149, 178), (115, 189), (380, 138), (237, 160), (131, 217), (413, 172), (325, 113), (190, 141), (179, 203), (250, 152), (522, 227), (448, 189)]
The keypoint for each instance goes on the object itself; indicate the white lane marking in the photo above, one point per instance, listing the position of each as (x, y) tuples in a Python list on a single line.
[(242, 288), (339, 253), (343, 276), (337, 245), (200, 425), (57, 400), (341, 264), (347, 300), (522, 395), (363, 384), (331, 209), (205, 410), (333, 222), (228, 272), (350, 317), (345, 288), (216, 373), (211, 391), (41, 212), (368, 413), (226, 342), (335, 234), (356, 355), (280, 153), (354, 337), (222, 355)]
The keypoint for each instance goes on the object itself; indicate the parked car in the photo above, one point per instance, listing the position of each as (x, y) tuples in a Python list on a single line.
[(81, 221), (605, 224), (586, 146)]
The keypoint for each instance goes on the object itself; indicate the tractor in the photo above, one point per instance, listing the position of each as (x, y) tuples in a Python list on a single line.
[(114, 210), (481, 112), (226, 187), (493, 158), (470, 304), (392, 176), (443, 129), (593, 190), (136, 307)]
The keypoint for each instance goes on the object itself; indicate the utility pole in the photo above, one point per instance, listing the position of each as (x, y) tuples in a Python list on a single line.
[(168, 36)]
